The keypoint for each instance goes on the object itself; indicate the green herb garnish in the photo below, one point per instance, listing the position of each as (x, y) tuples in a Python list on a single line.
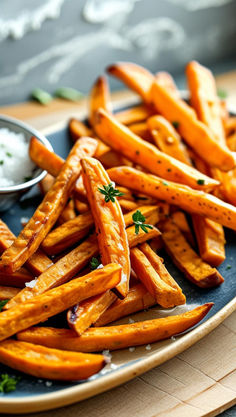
[(165, 183), (175, 124), (139, 219), (200, 182), (222, 94), (228, 266), (2, 304), (27, 178), (8, 383), (1, 162), (68, 93), (94, 263), (110, 192), (9, 154), (43, 97)]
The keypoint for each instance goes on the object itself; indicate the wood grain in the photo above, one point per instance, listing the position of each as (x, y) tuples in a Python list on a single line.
[(198, 382)]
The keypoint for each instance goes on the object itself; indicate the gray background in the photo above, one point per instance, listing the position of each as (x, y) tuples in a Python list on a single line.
[(85, 36)]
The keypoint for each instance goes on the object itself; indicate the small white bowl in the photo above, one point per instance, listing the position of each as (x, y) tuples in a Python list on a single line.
[(9, 195)]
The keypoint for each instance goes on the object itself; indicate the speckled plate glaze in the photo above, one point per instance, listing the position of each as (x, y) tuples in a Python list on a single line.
[(38, 395)]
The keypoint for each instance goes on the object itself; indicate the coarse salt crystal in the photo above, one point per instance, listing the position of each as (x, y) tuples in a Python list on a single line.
[(132, 349), (173, 338), (148, 347), (120, 246), (31, 284), (131, 321), (107, 353), (113, 366), (48, 383), (100, 266), (24, 220)]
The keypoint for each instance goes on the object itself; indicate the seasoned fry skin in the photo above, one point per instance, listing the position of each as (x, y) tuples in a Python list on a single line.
[(134, 76), (43, 362), (187, 260), (49, 210), (40, 155), (123, 140), (138, 298), (78, 129), (116, 337), (82, 315), (109, 221), (195, 133), (99, 97), (193, 201), (58, 299), (8, 292), (134, 114)]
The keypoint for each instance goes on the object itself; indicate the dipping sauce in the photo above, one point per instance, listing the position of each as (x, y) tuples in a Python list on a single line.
[(15, 164)]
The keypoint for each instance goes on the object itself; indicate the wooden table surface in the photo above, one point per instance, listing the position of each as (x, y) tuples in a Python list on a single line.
[(200, 381)]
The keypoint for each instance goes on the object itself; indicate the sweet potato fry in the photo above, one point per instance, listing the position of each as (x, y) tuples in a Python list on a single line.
[(141, 129), (116, 337), (158, 265), (164, 294), (166, 80), (99, 97), (8, 292), (17, 279), (230, 125), (195, 133), (44, 158), (43, 362), (70, 264), (109, 221), (49, 210), (137, 299), (188, 261), (193, 201), (78, 129), (111, 159), (121, 139), (68, 213), (179, 218), (58, 299), (37, 263), (167, 139), (231, 142), (46, 183), (134, 76), (210, 239), (127, 205), (81, 316), (134, 114)]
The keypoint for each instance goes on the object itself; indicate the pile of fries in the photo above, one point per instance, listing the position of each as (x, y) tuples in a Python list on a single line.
[(119, 197)]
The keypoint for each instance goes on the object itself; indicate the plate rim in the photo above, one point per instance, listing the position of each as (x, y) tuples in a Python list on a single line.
[(70, 395)]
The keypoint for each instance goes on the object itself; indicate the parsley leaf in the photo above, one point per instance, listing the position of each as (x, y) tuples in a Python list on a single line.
[(110, 192), (228, 266), (28, 178), (1, 162), (9, 154), (200, 182), (94, 263), (139, 219), (7, 383), (2, 304), (222, 94), (175, 124), (165, 183)]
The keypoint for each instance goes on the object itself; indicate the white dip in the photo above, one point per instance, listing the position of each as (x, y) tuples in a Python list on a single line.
[(15, 164)]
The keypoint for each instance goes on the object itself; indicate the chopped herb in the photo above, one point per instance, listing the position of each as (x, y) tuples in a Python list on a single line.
[(222, 94), (27, 178), (110, 192), (139, 220), (68, 93), (94, 263), (41, 96), (228, 266), (137, 152), (1, 162), (165, 183), (175, 124), (7, 383), (9, 154), (2, 304), (200, 182)]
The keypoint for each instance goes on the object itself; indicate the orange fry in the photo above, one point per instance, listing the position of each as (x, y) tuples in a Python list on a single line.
[(99, 97)]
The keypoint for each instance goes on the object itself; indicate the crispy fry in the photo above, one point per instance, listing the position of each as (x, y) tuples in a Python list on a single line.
[(68, 213), (58, 299), (127, 205), (99, 97), (81, 316), (134, 76), (109, 221), (141, 129), (193, 201), (43, 362), (17, 279), (116, 337), (231, 142), (188, 261), (134, 114), (46, 183), (164, 294), (195, 133), (8, 292), (81, 207), (147, 155), (111, 159), (211, 240), (230, 125), (37, 263), (49, 210), (78, 129), (138, 298), (158, 265), (179, 218), (44, 158), (166, 80), (167, 139)]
